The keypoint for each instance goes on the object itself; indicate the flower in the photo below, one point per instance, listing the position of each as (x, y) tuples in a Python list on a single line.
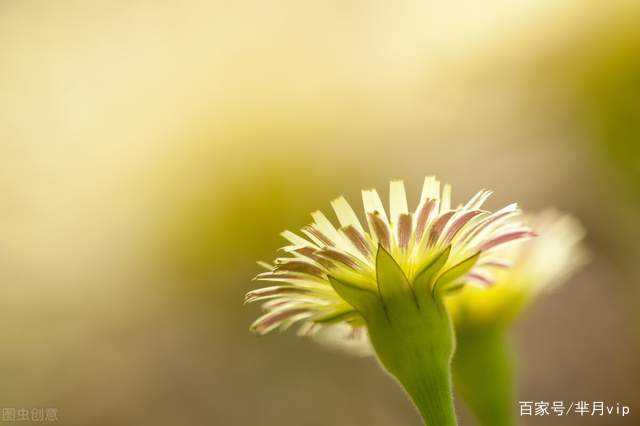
[(537, 267), (326, 270)]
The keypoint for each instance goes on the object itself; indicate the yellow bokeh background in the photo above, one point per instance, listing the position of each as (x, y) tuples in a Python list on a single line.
[(152, 152)]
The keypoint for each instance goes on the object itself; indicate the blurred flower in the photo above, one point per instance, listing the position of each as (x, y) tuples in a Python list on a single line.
[(345, 338), (482, 319), (450, 246), (537, 266)]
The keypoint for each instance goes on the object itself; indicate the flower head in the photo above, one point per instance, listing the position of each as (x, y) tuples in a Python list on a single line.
[(326, 270)]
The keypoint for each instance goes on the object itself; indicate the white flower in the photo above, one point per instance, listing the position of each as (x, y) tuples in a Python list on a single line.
[(549, 260)]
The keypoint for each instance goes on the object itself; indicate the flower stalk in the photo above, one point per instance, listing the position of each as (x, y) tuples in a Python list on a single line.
[(483, 374)]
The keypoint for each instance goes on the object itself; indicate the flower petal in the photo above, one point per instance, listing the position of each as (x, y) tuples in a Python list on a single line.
[(346, 215), (397, 201)]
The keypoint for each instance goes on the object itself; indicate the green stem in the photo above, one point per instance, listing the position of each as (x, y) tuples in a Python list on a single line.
[(417, 351), (483, 375), (430, 390)]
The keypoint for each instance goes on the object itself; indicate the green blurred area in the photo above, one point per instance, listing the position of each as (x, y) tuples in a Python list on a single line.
[(153, 151)]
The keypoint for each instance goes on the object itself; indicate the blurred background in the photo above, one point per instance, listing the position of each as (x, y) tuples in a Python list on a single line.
[(152, 151)]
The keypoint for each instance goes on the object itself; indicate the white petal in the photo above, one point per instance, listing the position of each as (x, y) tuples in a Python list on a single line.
[(430, 189), (346, 215), (478, 200), (295, 239), (372, 203), (397, 201), (445, 203), (325, 226)]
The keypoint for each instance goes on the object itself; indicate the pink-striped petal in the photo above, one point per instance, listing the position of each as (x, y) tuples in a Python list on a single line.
[(493, 219), (459, 223), (405, 224), (273, 319), (318, 236), (299, 265), (424, 214), (357, 239), (478, 200), (479, 277), (380, 229), (338, 256), (505, 238), (439, 226), (274, 291)]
